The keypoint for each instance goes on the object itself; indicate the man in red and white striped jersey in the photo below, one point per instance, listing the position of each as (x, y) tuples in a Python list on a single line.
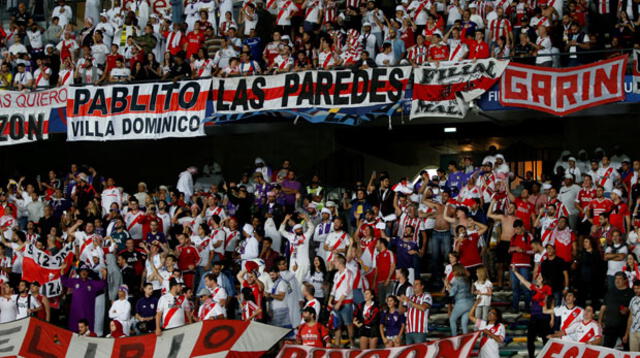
[(499, 27), (417, 313), (133, 219), (418, 53), (172, 309)]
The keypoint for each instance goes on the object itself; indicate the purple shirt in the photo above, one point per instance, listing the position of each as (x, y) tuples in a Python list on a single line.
[(290, 199)]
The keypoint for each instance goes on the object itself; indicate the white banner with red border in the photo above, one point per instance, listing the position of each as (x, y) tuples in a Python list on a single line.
[(458, 347), (561, 91), (556, 348), (31, 337)]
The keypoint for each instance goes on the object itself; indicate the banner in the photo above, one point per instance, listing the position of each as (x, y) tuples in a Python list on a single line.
[(563, 91), (137, 111), (635, 71), (24, 116), (32, 338), (39, 266), (311, 89), (556, 348), (458, 347), (444, 90)]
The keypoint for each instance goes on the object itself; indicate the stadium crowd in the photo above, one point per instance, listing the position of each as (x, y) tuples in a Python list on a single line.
[(128, 41), (362, 265)]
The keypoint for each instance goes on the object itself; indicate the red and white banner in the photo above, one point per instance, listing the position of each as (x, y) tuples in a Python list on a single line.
[(458, 347), (41, 267), (137, 111), (311, 89), (24, 116), (563, 91), (31, 338), (444, 90), (556, 348)]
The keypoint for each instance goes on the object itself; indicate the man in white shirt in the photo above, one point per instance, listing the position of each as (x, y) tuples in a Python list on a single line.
[(63, 12), (41, 75), (386, 57), (22, 79), (249, 248), (607, 175), (17, 47), (341, 299), (185, 183), (567, 196), (171, 308), (121, 309), (120, 73)]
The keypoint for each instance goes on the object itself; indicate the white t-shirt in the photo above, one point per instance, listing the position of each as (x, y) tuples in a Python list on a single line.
[(120, 73), (24, 304), (545, 49), (484, 288), (615, 266), (218, 236), (8, 309), (121, 311), (219, 294), (172, 309), (280, 286)]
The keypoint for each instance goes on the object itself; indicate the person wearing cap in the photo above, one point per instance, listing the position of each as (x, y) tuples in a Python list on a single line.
[(171, 309), (209, 308), (106, 28), (121, 309), (438, 50), (619, 215), (368, 39), (83, 296), (299, 240), (263, 168), (573, 170), (312, 333)]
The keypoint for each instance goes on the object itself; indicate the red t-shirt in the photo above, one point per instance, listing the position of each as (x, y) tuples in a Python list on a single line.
[(469, 251), (194, 42), (563, 242), (599, 206), (522, 259), (383, 264), (524, 210), (618, 212), (585, 196), (187, 255), (313, 336), (439, 52)]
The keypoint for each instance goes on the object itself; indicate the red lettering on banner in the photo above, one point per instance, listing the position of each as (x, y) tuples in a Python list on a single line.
[(45, 340), (293, 352), (586, 78), (520, 90), (568, 91), (215, 338), (417, 350), (611, 81), (378, 353), (135, 346), (553, 349), (445, 348), (590, 353), (538, 91), (572, 352)]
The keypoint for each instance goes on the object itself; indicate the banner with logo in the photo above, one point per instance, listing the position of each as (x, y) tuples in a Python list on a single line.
[(24, 116), (39, 266), (562, 91), (556, 348), (311, 89), (137, 111), (31, 337), (444, 90), (458, 347)]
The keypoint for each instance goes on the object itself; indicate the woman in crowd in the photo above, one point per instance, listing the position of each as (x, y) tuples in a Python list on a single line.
[(463, 299), (367, 320), (392, 324)]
